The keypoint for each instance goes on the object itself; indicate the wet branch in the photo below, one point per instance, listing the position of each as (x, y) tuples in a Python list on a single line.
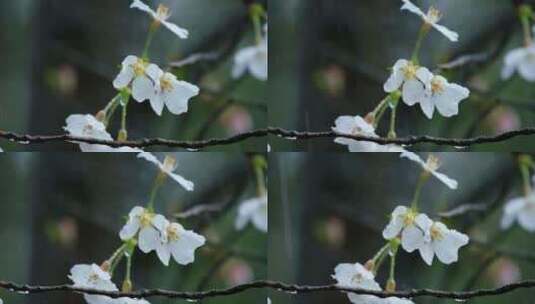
[(279, 286)]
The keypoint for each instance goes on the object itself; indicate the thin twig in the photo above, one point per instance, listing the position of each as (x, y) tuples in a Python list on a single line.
[(463, 209), (279, 286), (200, 210)]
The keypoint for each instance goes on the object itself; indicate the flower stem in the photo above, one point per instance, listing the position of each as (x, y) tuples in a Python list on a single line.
[(392, 132), (525, 162), (379, 257), (117, 257), (152, 29), (158, 182), (424, 176), (259, 163), (391, 284), (256, 11), (110, 108), (525, 14), (421, 36)]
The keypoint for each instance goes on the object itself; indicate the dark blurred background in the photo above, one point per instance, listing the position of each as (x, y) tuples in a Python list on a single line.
[(62, 209), (331, 58), (328, 208), (60, 57)]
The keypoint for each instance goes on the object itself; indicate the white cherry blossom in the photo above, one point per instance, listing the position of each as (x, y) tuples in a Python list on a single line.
[(404, 77), (87, 126), (356, 125), (168, 167), (441, 94), (357, 276), (92, 276), (149, 225), (253, 59), (440, 241), (431, 166), (170, 91), (254, 210), (521, 210), (180, 243), (521, 60), (140, 74), (161, 15), (404, 223), (432, 18)]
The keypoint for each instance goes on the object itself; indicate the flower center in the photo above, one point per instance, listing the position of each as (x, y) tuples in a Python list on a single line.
[(93, 278), (433, 163), (356, 279), (146, 219), (409, 71), (88, 129), (169, 163), (172, 233), (163, 12), (139, 67), (436, 234), (437, 85), (166, 83), (409, 218), (434, 15)]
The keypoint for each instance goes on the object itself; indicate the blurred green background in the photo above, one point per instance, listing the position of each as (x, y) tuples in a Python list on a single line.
[(62, 209), (331, 58), (331, 208), (60, 57)]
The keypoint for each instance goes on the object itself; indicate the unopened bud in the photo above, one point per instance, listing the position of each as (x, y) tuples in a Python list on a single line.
[(390, 286), (127, 286), (101, 116), (370, 265), (106, 266), (370, 118), (123, 135)]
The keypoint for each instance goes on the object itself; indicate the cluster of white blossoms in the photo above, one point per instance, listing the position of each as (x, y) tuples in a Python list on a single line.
[(148, 82), (521, 210), (415, 84), (94, 277), (357, 276), (253, 59), (255, 211), (419, 86), (155, 233), (417, 231)]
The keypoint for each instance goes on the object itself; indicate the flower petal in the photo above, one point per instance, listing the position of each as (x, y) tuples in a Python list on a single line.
[(180, 32), (451, 35), (413, 92), (142, 88), (149, 239), (177, 99)]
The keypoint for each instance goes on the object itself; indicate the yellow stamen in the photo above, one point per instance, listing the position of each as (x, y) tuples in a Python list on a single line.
[(172, 233), (434, 15), (433, 162), (166, 83), (410, 71), (437, 85), (169, 163), (163, 12), (436, 234), (139, 67)]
